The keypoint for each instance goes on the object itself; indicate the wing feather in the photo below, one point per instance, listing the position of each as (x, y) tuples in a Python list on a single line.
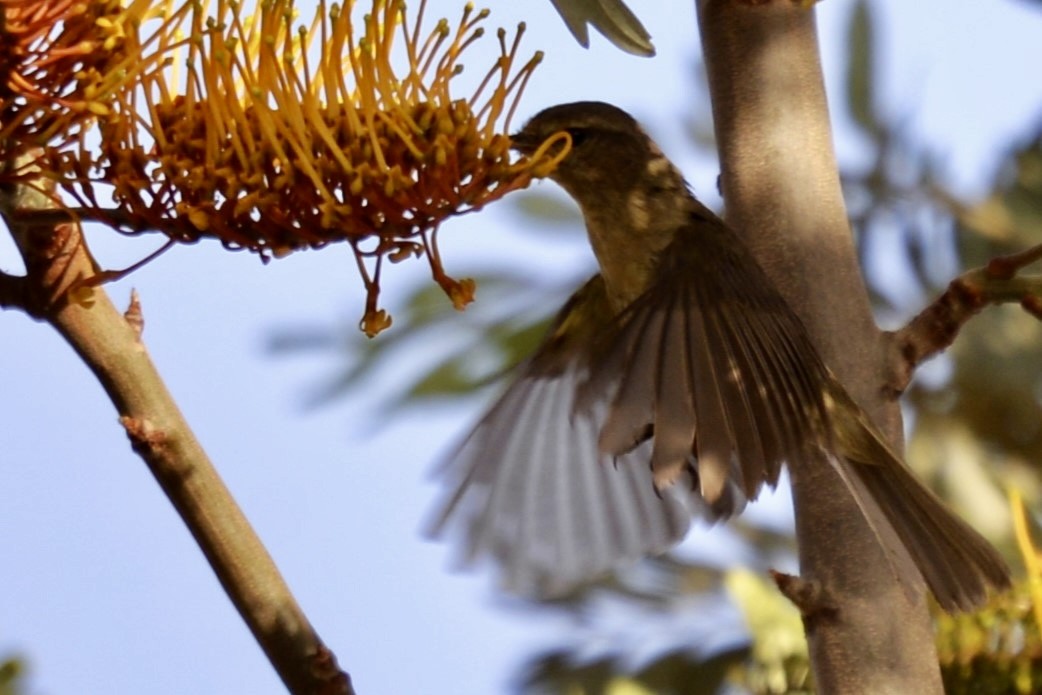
[(708, 366), (666, 355), (634, 358), (741, 381), (531, 487), (715, 445)]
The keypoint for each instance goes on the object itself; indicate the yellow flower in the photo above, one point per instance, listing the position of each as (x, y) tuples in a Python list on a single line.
[(272, 136), (60, 61)]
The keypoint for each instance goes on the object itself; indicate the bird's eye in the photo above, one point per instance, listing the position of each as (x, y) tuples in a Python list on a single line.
[(579, 135)]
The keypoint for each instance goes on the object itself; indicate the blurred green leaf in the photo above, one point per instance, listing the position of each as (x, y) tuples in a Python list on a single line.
[(996, 651), (12, 672), (435, 352), (677, 673), (449, 378), (548, 212), (779, 660), (860, 73), (1010, 218)]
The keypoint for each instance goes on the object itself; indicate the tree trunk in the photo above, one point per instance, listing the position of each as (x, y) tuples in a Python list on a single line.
[(782, 191)]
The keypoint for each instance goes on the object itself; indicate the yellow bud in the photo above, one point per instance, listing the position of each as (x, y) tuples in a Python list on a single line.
[(404, 251), (199, 219), (445, 125), (374, 322), (462, 293)]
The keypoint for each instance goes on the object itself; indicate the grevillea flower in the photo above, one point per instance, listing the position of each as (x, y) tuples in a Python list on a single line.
[(60, 62), (269, 135)]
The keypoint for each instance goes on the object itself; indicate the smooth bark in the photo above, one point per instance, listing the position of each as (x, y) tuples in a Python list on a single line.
[(867, 634), (110, 345)]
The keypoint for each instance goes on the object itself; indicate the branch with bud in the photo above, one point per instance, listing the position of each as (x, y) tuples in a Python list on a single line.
[(935, 328)]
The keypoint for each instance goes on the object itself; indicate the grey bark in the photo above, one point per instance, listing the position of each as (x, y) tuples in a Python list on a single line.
[(781, 187)]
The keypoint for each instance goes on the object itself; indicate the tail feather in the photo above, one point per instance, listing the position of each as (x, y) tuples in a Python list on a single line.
[(957, 563)]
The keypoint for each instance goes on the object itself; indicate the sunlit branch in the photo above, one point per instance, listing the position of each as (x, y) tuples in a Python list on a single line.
[(109, 342), (935, 328)]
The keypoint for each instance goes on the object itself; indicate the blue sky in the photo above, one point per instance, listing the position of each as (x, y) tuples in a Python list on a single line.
[(104, 591)]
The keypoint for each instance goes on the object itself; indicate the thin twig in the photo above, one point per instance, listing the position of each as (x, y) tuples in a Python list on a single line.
[(12, 292), (113, 217), (935, 328), (109, 343)]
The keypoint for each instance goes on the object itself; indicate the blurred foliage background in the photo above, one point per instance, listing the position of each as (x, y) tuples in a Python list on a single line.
[(11, 671), (974, 419)]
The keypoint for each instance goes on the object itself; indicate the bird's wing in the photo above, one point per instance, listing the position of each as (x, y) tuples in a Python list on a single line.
[(715, 363), (610, 17), (530, 487)]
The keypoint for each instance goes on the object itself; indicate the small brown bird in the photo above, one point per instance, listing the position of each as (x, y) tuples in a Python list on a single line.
[(675, 382)]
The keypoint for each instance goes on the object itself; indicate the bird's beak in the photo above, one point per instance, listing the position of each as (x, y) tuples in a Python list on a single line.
[(524, 142)]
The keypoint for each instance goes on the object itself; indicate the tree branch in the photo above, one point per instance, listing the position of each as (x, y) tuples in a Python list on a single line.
[(12, 291), (116, 218), (935, 327), (781, 186), (57, 261)]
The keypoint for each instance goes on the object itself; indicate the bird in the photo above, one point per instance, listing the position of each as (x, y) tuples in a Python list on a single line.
[(673, 384)]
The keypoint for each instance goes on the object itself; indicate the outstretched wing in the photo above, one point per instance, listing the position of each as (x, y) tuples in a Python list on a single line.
[(530, 487), (714, 361)]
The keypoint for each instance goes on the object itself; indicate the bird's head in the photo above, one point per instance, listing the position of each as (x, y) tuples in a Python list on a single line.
[(632, 198), (609, 149)]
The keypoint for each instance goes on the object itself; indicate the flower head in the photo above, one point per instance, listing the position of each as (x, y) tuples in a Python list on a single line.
[(272, 137), (60, 63)]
